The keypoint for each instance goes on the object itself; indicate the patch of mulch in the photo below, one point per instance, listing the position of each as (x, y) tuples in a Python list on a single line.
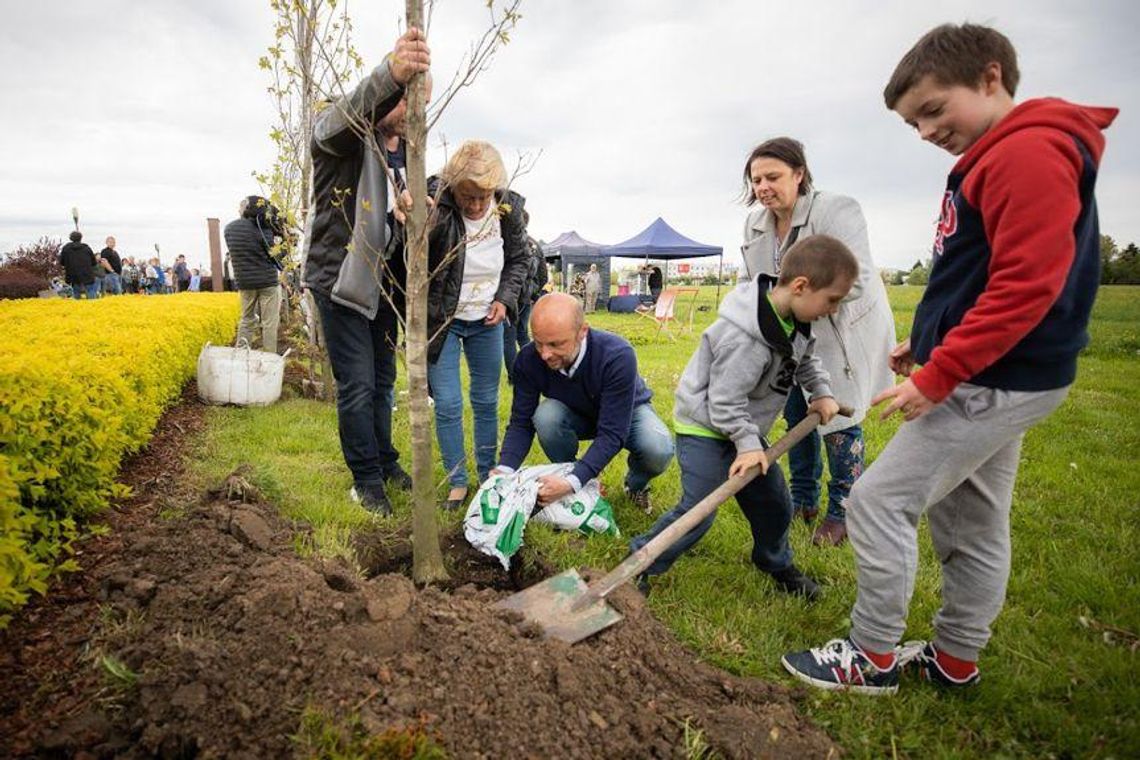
[(202, 633)]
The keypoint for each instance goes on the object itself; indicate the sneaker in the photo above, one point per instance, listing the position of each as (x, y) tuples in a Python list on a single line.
[(640, 500), (373, 498), (643, 585), (398, 479), (808, 512), (792, 580), (922, 657), (841, 665), (830, 533)]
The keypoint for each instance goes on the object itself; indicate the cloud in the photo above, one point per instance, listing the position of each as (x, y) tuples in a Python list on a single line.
[(151, 117)]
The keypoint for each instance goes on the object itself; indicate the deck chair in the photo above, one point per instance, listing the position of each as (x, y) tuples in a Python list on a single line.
[(663, 313)]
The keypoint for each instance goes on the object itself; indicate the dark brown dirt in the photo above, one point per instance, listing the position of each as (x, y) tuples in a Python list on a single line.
[(233, 636)]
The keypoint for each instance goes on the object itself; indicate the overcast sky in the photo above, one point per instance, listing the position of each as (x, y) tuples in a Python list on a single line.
[(151, 117)]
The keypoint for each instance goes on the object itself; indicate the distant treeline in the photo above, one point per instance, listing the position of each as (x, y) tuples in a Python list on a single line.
[(1118, 266)]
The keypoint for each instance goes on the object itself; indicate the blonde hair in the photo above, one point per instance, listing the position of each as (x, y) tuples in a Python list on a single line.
[(476, 162)]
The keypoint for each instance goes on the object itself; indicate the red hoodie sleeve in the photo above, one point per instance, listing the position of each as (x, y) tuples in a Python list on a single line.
[(1027, 190)]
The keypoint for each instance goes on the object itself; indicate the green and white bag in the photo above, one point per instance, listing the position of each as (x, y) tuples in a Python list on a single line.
[(497, 514)]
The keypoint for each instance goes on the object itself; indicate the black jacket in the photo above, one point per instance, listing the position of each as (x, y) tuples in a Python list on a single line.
[(249, 255), (447, 237), (536, 276), (78, 263), (112, 257)]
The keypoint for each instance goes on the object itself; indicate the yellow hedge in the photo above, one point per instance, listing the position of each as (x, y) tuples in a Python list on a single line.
[(82, 383)]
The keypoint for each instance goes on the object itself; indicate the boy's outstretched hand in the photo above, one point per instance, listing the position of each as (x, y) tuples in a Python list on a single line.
[(747, 459), (826, 407), (907, 397)]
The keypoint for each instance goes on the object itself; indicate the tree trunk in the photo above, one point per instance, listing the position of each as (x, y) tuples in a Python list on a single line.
[(306, 31), (427, 559)]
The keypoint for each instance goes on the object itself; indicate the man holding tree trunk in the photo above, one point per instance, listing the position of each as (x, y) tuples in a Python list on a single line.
[(353, 265)]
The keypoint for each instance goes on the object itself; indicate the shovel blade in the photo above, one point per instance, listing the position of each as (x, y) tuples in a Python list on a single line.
[(551, 604)]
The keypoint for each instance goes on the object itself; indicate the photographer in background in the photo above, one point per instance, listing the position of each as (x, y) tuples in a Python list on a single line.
[(249, 239)]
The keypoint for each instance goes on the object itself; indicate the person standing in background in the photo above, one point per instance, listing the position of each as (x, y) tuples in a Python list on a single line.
[(79, 265), (113, 281), (593, 286)]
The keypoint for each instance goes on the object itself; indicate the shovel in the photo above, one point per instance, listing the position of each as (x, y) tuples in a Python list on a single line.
[(569, 610)]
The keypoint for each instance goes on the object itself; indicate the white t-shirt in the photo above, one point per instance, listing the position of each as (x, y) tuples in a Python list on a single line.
[(482, 268)]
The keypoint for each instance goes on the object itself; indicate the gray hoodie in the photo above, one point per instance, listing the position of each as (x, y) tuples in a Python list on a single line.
[(738, 380)]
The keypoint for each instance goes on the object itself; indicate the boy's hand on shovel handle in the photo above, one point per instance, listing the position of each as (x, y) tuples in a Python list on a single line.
[(747, 459)]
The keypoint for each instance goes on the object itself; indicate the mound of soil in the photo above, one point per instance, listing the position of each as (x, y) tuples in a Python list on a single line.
[(204, 634)]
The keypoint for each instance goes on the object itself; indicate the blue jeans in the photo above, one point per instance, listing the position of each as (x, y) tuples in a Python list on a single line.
[(704, 467), (112, 284), (515, 337), (91, 289), (805, 462), (649, 443), (363, 357), (483, 347)]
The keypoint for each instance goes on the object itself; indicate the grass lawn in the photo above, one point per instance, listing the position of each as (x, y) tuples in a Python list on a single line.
[(1060, 674)]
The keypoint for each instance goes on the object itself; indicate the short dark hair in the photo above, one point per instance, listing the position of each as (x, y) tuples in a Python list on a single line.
[(75, 236), (785, 149), (954, 54), (822, 259)]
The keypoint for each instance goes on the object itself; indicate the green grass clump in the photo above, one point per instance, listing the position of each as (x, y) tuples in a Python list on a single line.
[(322, 736)]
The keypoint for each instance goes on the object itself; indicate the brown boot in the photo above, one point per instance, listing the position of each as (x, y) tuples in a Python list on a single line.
[(830, 533)]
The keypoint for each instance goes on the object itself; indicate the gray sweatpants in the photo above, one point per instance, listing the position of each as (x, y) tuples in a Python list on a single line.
[(958, 464)]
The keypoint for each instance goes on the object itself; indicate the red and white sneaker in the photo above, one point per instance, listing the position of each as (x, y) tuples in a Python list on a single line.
[(922, 657)]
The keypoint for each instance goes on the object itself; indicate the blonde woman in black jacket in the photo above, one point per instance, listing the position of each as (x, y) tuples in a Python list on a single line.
[(478, 257)]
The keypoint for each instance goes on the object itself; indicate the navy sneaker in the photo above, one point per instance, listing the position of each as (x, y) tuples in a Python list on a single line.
[(643, 585), (792, 580), (841, 664), (922, 657)]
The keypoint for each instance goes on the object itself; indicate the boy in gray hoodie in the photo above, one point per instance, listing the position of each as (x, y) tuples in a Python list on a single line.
[(735, 386)]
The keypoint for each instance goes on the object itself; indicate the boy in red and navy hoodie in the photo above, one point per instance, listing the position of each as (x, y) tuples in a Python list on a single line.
[(1016, 267)]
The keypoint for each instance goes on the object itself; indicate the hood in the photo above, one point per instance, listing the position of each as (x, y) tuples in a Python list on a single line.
[(1083, 122), (746, 306), (741, 306)]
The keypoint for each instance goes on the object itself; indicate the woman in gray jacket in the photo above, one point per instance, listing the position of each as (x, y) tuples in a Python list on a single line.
[(854, 344)]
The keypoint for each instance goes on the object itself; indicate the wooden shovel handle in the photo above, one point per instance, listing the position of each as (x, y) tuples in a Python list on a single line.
[(643, 557)]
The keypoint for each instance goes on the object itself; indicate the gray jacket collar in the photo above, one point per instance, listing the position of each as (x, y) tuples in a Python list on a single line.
[(765, 222)]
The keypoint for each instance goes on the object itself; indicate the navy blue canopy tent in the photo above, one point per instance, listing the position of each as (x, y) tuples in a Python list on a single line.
[(660, 241)]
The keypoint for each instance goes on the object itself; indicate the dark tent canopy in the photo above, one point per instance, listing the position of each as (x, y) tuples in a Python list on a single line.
[(572, 254), (571, 243), (660, 241)]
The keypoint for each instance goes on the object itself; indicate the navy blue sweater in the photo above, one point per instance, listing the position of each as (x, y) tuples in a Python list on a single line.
[(605, 389)]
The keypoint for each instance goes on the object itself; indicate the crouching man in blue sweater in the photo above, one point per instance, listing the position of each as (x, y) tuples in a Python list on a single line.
[(592, 391)]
